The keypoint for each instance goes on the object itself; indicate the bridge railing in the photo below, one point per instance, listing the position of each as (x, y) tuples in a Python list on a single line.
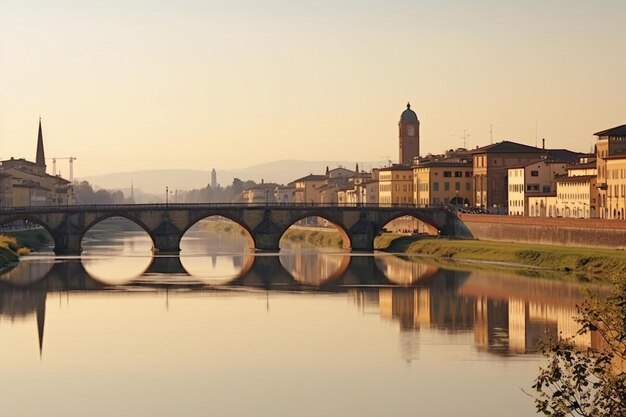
[(185, 206)]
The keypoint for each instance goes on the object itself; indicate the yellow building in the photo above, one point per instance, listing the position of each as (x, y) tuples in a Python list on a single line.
[(443, 182), (307, 188), (611, 145), (6, 190), (615, 192), (395, 185)]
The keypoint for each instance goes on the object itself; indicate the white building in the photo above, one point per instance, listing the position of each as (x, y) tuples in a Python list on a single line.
[(577, 197), (532, 178)]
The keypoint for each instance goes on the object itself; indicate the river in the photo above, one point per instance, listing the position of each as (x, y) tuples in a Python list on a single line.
[(219, 331)]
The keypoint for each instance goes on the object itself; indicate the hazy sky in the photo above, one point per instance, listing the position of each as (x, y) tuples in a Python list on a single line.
[(127, 85)]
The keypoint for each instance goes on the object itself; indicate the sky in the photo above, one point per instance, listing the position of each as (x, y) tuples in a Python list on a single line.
[(147, 84)]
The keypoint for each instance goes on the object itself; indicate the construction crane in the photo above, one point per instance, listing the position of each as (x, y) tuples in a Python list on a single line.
[(71, 159)]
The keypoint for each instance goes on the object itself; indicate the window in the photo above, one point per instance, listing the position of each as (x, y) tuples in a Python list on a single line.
[(468, 186), (446, 186), (468, 174), (458, 174), (457, 186), (447, 174), (435, 186), (534, 173)]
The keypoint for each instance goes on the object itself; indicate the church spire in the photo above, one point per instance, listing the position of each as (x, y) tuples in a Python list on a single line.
[(41, 157)]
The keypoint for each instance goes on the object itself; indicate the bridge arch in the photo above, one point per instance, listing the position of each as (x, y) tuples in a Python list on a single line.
[(4, 220), (227, 216), (430, 226), (345, 236), (126, 216)]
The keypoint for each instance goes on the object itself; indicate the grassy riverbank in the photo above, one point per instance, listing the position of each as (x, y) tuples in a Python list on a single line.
[(21, 243), (9, 250), (309, 236), (580, 261), (328, 238)]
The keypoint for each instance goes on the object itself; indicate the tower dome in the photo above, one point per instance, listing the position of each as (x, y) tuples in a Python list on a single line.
[(408, 115)]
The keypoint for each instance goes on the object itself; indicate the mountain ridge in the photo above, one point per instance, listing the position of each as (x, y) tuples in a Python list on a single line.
[(155, 180)]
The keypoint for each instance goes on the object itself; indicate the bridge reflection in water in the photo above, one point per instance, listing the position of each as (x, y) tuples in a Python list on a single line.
[(507, 314)]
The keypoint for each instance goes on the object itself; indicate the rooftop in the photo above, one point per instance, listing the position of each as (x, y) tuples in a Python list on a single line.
[(614, 131), (579, 178), (507, 147)]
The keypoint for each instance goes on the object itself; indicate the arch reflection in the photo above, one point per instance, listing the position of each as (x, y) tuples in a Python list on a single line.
[(215, 251), (115, 251), (313, 266), (404, 271)]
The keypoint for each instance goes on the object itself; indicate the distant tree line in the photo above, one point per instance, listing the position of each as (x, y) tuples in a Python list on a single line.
[(85, 194)]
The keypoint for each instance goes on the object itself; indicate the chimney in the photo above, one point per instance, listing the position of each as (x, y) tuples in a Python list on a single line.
[(543, 143)]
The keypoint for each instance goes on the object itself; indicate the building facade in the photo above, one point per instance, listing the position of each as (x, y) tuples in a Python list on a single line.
[(395, 185), (532, 178), (306, 189), (443, 182), (611, 145), (490, 179)]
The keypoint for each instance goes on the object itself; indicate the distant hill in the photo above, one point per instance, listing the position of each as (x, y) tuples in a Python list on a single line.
[(281, 172)]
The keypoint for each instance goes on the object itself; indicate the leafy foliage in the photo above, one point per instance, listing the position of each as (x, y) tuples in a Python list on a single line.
[(588, 382), (85, 194)]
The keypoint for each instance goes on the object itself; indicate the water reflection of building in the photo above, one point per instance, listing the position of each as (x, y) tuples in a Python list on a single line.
[(457, 301), (410, 307)]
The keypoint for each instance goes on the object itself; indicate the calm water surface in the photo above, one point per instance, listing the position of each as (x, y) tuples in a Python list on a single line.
[(222, 332)]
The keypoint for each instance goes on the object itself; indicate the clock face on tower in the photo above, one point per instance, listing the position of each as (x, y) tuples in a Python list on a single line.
[(411, 130)]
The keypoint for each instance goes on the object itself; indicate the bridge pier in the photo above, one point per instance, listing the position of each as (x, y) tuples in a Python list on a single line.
[(166, 239), (362, 236), (267, 235), (166, 245), (67, 244)]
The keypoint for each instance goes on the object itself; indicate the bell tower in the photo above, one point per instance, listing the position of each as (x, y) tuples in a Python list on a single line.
[(409, 136)]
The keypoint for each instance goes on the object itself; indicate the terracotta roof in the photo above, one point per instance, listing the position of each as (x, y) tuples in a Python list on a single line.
[(583, 166), (508, 147), (444, 163), (579, 178), (312, 177), (614, 131), (396, 167), (564, 155)]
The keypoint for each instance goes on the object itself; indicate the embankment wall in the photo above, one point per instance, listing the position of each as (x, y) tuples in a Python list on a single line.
[(549, 231)]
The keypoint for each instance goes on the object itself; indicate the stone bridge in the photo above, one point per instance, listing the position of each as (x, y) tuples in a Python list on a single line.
[(167, 223)]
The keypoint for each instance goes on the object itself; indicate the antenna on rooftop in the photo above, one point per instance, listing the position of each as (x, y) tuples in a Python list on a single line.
[(464, 137)]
